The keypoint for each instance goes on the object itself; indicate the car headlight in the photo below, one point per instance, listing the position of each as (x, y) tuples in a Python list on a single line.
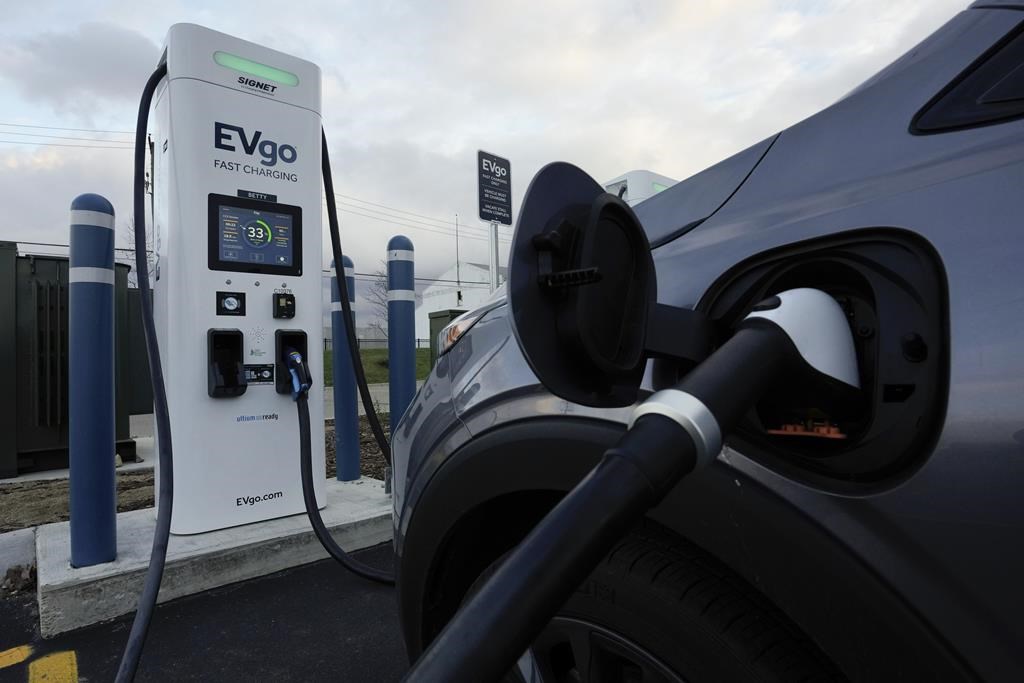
[(458, 327)]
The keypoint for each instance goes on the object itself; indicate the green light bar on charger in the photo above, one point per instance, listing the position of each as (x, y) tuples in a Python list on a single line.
[(247, 66)]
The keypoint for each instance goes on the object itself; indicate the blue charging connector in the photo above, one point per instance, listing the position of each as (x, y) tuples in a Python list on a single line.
[(301, 380)]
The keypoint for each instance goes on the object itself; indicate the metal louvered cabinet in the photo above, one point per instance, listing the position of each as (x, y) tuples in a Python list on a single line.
[(38, 337)]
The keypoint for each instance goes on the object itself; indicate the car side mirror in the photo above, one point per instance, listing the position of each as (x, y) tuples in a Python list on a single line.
[(582, 291)]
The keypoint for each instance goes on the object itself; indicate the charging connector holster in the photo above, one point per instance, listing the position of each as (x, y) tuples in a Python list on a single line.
[(288, 339), (225, 366)]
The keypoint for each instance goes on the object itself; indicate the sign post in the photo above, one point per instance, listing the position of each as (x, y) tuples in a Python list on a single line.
[(495, 200)]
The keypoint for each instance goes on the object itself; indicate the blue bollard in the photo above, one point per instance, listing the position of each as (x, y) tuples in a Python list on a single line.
[(91, 382), (401, 327), (346, 401)]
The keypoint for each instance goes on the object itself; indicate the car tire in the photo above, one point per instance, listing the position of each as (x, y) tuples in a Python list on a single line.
[(660, 609)]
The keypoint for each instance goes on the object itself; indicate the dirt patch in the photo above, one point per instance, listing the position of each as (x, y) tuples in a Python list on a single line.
[(42, 502), (19, 579), (371, 461)]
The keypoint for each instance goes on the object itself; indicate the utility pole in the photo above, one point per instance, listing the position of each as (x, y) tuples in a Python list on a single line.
[(458, 277)]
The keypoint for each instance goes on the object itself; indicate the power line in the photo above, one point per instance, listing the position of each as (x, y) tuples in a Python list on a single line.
[(413, 227), (61, 137), (419, 225), (463, 226), (393, 221), (376, 276), (443, 221), (469, 285), (392, 208), (68, 246), (442, 229), (57, 144), (370, 276), (80, 130), (413, 220)]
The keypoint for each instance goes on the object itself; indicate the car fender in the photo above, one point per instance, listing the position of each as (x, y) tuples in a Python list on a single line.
[(853, 616)]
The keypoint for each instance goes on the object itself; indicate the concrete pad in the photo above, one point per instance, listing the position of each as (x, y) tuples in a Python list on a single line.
[(358, 514), (17, 548)]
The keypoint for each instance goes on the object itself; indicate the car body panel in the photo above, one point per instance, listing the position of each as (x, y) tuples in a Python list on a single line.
[(997, 4), (682, 207), (937, 555), (431, 426)]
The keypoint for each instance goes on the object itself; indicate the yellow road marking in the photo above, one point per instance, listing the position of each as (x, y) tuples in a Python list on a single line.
[(60, 667), (16, 655)]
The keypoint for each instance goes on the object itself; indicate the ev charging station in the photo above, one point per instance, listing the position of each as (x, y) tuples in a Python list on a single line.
[(236, 204), (239, 158)]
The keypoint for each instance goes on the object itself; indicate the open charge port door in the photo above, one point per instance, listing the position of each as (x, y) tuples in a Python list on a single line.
[(226, 369)]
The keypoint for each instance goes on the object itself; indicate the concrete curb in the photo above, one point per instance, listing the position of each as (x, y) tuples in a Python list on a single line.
[(358, 514)]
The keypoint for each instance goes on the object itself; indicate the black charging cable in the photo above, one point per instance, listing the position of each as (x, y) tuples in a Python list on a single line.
[(300, 394), (346, 307), (165, 493)]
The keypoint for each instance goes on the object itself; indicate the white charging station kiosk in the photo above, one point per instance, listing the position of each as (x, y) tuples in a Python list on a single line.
[(236, 206)]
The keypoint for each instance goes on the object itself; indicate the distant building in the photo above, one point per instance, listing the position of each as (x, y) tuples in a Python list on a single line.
[(442, 296), (636, 186)]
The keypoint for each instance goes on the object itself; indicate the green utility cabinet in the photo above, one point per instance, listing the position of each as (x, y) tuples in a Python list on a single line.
[(34, 362), (438, 321)]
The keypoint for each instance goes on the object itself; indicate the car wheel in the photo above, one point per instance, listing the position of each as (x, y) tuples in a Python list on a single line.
[(659, 609)]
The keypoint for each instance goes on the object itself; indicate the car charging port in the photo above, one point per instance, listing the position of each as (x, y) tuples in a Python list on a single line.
[(891, 288), (826, 428)]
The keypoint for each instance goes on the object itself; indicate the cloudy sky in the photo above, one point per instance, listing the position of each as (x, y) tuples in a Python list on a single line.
[(413, 89)]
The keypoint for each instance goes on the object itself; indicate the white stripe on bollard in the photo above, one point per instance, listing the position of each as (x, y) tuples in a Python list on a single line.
[(401, 295), (400, 255), (350, 272), (96, 219), (336, 306), (103, 276)]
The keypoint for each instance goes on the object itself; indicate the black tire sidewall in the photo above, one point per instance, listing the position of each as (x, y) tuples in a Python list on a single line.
[(656, 621)]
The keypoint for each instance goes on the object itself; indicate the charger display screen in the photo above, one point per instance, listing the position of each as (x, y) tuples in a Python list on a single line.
[(254, 236)]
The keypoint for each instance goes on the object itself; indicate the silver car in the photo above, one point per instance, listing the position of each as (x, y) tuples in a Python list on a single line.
[(886, 545)]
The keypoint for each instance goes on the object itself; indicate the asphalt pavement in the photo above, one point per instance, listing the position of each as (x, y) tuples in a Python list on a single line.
[(312, 623)]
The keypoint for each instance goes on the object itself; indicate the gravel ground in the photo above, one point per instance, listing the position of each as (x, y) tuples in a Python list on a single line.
[(371, 462), (42, 502)]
